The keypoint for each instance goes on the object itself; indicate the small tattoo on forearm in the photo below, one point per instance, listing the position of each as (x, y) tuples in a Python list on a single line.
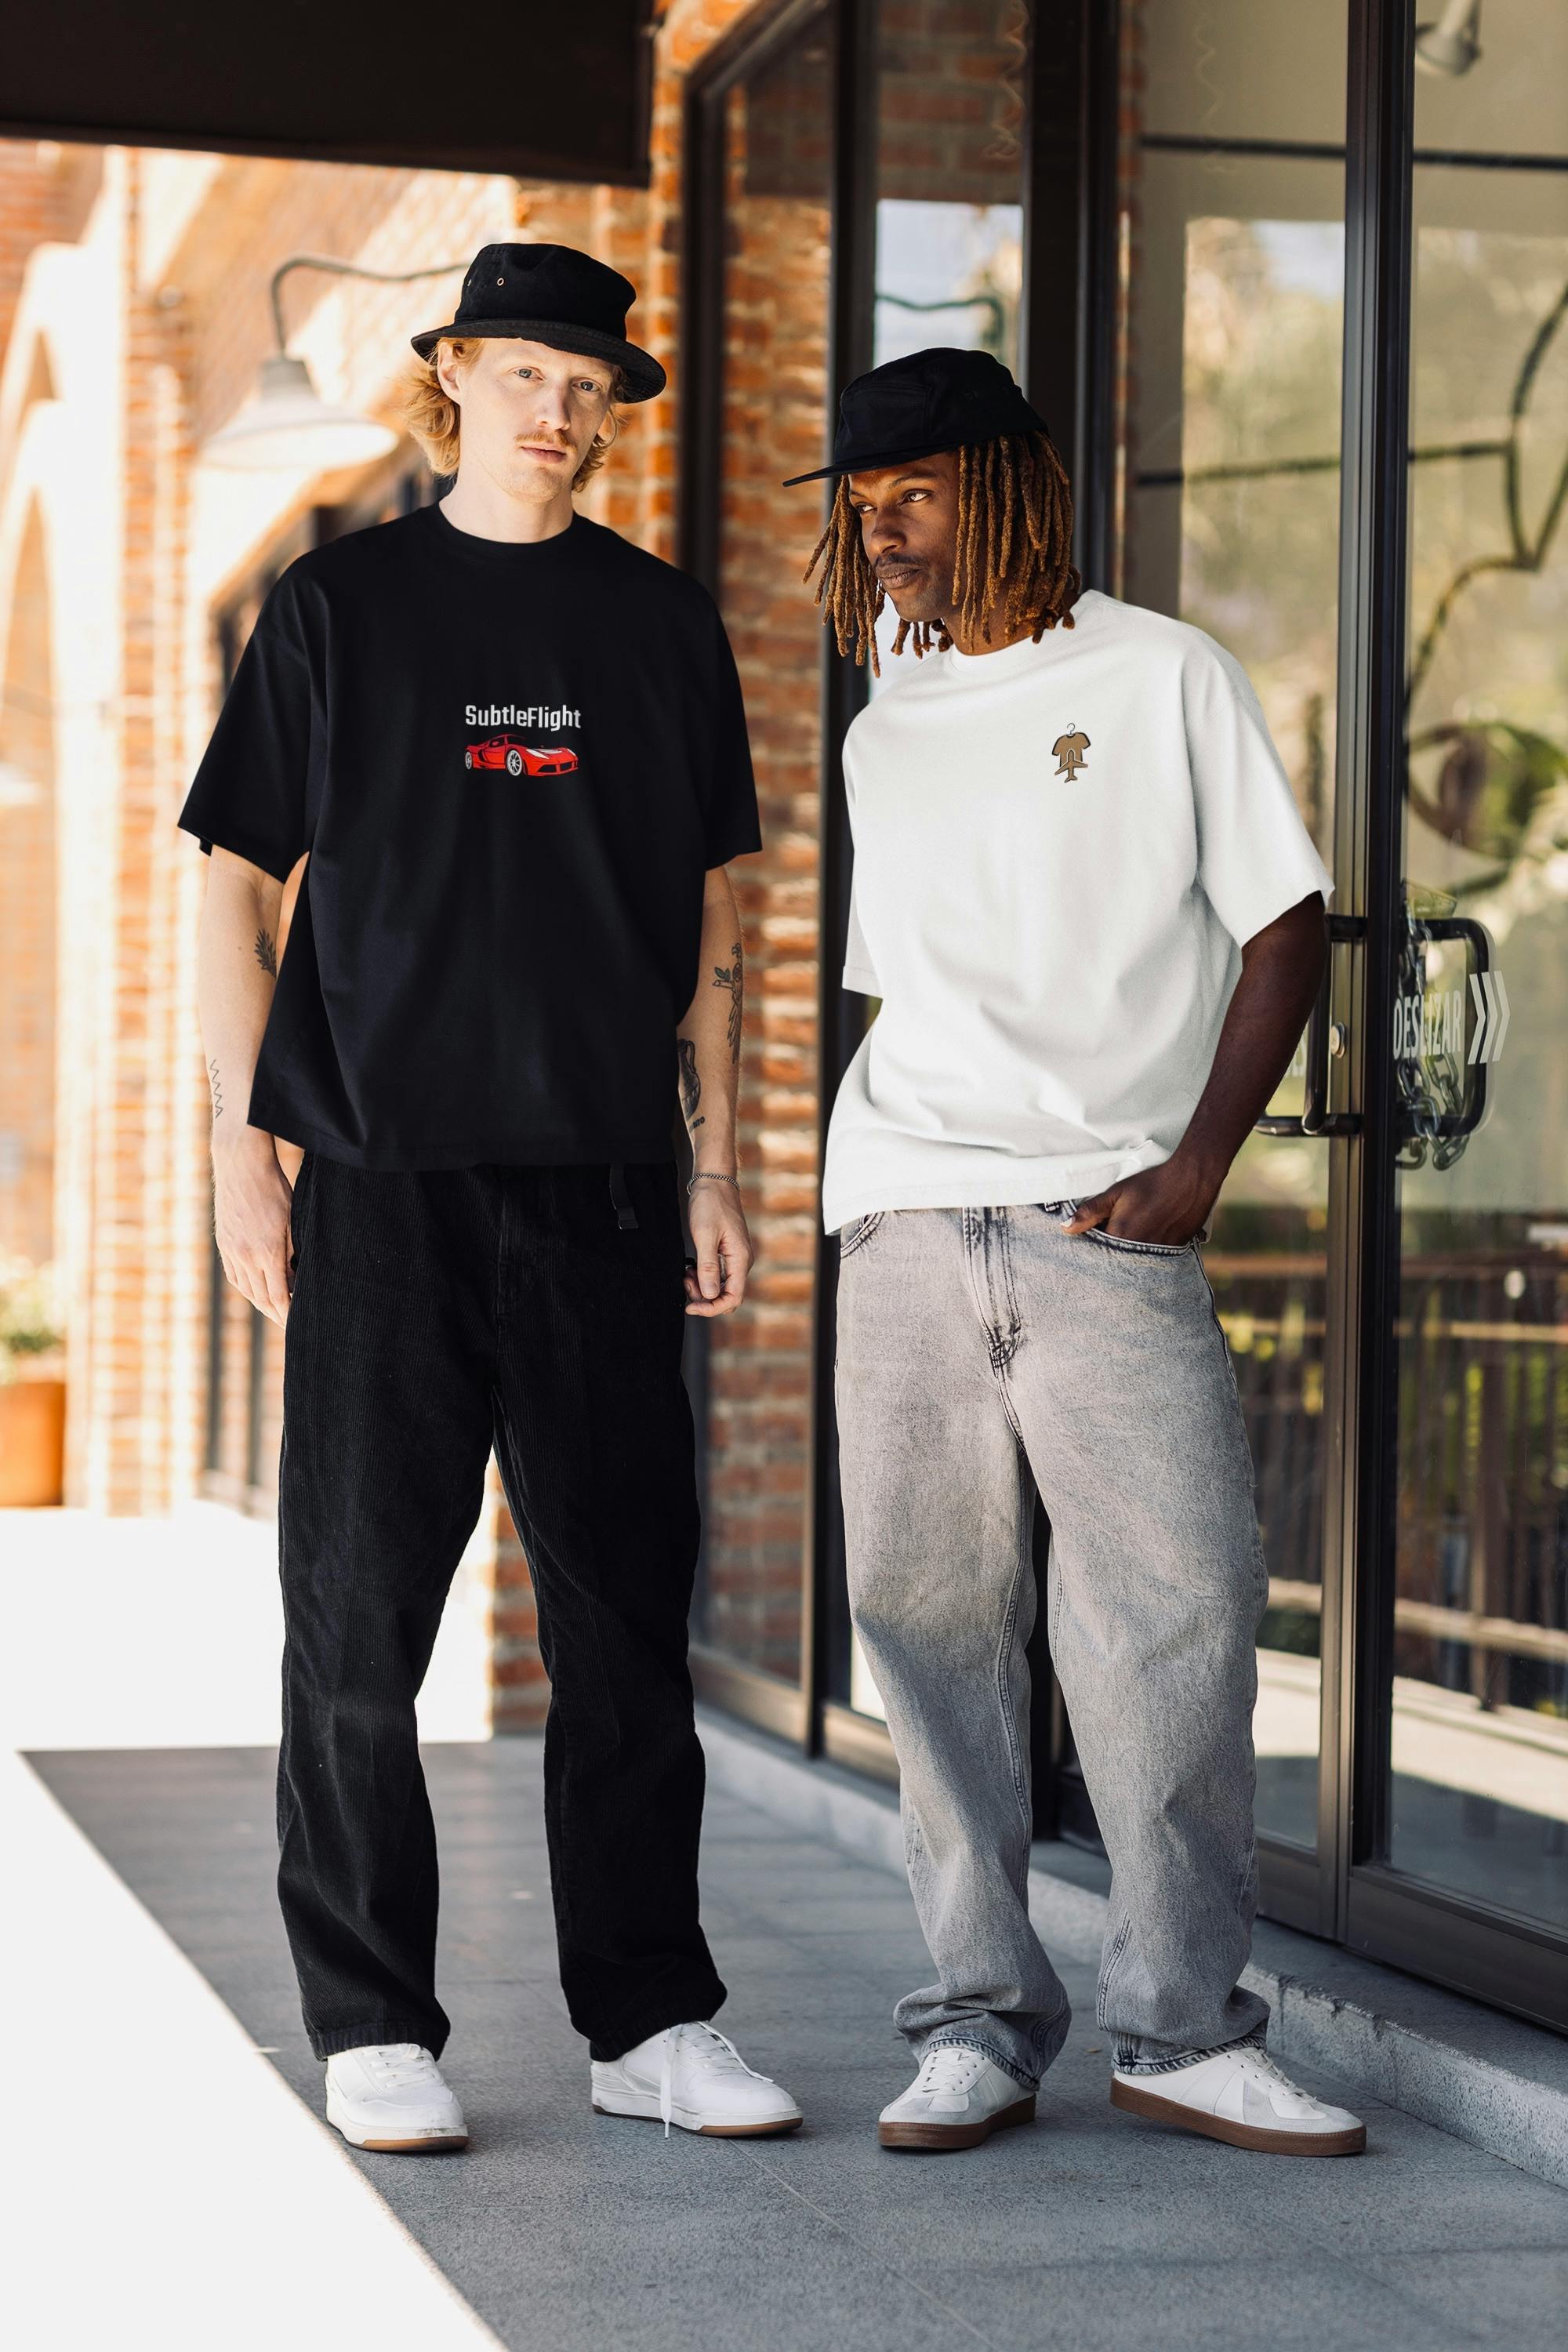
[(215, 1082), (266, 952), (730, 976), (690, 1084)]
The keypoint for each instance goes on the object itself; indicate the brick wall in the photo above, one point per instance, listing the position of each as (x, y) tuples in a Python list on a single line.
[(30, 211)]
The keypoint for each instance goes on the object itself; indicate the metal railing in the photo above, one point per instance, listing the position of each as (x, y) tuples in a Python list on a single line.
[(1481, 1576)]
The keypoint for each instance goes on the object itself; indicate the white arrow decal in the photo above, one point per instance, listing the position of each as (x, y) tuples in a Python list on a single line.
[(1491, 1015), (1483, 1012)]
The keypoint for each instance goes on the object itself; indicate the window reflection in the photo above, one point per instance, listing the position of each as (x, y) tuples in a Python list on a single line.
[(1227, 462), (777, 210), (1479, 1705)]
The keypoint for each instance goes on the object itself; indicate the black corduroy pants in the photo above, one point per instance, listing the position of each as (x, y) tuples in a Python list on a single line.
[(433, 1314)]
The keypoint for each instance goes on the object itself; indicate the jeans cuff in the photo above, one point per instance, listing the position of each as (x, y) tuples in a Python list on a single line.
[(1128, 2062), (370, 2032), (944, 2039)]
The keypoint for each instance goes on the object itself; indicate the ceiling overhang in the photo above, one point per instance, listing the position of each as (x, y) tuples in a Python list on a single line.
[(515, 86)]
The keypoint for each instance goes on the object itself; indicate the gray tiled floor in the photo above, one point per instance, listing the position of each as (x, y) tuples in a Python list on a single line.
[(567, 2230)]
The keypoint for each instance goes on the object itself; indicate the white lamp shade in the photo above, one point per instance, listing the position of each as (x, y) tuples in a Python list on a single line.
[(288, 427)]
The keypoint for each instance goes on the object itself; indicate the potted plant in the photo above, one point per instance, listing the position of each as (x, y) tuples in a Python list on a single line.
[(32, 1385)]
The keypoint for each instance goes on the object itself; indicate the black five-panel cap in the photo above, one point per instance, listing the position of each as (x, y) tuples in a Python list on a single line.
[(913, 407), (551, 294)]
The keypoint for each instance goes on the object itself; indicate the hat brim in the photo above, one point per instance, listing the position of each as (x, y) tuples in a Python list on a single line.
[(645, 377), (875, 460)]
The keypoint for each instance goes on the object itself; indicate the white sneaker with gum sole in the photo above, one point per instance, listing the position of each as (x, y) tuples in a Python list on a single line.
[(1241, 2096), (390, 2094), (957, 2100), (693, 2077)]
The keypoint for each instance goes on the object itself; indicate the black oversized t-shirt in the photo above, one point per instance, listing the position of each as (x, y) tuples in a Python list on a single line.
[(511, 766)]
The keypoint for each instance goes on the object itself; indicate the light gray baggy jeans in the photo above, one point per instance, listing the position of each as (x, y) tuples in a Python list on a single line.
[(982, 1352)]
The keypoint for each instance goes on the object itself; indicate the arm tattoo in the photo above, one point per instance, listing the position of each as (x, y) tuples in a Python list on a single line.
[(266, 952), (690, 1084), (215, 1082), (730, 976)]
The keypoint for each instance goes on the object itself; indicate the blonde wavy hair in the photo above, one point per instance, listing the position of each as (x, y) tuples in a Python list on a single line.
[(434, 418)]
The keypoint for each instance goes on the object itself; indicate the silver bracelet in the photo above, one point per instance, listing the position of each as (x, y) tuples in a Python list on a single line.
[(711, 1176)]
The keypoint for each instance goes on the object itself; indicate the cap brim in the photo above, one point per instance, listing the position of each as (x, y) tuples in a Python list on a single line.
[(876, 461), (645, 377), (865, 465)]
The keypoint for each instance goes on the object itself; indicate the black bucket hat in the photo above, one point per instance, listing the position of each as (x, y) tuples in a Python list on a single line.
[(913, 407), (551, 294)]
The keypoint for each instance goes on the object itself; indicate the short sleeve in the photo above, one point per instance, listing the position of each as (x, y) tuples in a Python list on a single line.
[(860, 971), (249, 794), (1255, 857), (730, 823)]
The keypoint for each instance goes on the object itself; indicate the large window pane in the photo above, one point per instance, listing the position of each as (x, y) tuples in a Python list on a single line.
[(1479, 1704), (950, 130), (1228, 473)]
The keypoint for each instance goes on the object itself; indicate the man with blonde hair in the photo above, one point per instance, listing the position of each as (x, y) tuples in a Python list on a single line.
[(513, 747)]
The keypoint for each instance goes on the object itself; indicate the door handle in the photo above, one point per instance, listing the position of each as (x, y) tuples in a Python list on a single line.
[(1428, 1122), (1316, 1119)]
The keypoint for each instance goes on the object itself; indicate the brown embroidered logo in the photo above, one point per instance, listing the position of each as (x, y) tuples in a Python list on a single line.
[(1068, 751)]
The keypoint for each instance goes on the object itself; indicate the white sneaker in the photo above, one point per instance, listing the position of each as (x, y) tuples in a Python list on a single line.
[(958, 2099), (1240, 2096), (390, 2094), (691, 2076)]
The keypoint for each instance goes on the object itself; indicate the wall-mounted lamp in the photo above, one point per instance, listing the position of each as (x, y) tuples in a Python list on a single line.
[(1453, 44), (288, 424)]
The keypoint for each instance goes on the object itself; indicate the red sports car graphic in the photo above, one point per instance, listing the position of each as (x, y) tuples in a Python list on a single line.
[(519, 759)]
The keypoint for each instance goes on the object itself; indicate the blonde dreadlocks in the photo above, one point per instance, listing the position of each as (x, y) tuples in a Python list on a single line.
[(1015, 553)]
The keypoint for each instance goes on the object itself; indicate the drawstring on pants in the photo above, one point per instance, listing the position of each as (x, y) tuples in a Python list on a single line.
[(626, 1215)]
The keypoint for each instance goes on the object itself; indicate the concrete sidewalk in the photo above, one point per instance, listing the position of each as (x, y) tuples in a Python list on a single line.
[(561, 2230)]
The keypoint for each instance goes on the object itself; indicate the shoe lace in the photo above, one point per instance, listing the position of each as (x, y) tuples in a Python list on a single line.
[(949, 2067), (712, 2052), (397, 2065), (1261, 2066)]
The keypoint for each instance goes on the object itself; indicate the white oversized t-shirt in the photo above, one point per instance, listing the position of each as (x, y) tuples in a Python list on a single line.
[(1059, 851)]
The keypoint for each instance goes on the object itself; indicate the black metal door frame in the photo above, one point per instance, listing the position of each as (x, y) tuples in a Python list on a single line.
[(793, 1712)]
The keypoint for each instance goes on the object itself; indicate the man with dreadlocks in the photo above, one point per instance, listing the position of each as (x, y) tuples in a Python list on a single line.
[(1095, 921)]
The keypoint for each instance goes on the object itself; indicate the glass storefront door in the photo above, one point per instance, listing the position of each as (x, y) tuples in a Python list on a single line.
[(1412, 1720), (1474, 1706), (1230, 234)]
